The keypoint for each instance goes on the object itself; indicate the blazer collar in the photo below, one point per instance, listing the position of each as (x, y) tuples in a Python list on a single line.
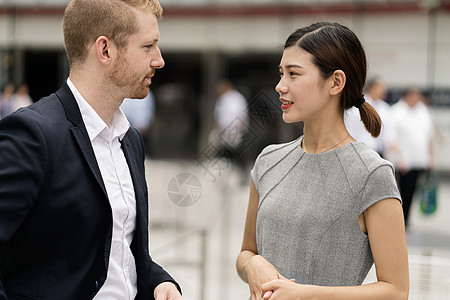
[(70, 104), (79, 131)]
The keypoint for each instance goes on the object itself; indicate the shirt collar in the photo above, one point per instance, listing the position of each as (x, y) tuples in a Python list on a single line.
[(94, 124), (120, 123)]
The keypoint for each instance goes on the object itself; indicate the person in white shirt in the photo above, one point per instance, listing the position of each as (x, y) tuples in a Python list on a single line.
[(21, 98), (414, 128), (140, 112), (230, 114), (375, 94), (231, 125)]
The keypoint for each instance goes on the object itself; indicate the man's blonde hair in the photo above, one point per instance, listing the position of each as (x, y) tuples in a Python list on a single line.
[(85, 20)]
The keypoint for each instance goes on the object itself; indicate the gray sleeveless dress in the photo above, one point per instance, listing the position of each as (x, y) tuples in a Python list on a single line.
[(307, 222)]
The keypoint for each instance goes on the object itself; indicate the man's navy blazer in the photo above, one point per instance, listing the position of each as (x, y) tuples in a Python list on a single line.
[(55, 216)]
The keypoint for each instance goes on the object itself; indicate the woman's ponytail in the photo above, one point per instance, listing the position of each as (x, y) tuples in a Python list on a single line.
[(370, 118)]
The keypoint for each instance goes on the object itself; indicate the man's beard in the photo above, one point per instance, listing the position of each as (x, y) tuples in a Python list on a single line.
[(129, 83)]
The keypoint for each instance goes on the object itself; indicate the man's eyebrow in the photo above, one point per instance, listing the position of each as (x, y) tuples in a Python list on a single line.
[(154, 40)]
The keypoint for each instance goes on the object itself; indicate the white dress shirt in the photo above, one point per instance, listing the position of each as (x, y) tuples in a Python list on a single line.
[(121, 281), (356, 128), (139, 112), (231, 113), (415, 129)]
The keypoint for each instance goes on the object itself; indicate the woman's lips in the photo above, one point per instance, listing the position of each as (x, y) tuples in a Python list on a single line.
[(286, 104)]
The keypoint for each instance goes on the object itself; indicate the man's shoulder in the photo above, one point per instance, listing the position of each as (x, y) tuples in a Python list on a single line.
[(133, 134), (46, 109), (46, 115)]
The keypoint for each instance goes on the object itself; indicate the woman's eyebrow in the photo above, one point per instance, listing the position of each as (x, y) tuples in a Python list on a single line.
[(290, 66)]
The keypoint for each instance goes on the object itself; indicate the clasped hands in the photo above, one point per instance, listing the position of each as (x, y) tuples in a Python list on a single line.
[(265, 282)]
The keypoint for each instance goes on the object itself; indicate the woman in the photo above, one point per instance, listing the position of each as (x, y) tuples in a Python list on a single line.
[(323, 207)]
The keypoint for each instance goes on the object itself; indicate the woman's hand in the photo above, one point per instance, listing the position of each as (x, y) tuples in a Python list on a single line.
[(285, 290), (260, 271)]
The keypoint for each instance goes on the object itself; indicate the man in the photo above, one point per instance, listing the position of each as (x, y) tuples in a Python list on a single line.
[(5, 100), (73, 196), (231, 118), (140, 113), (22, 97), (374, 94), (414, 126)]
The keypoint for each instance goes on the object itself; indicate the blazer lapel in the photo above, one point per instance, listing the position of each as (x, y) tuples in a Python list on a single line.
[(132, 161), (79, 131), (86, 148)]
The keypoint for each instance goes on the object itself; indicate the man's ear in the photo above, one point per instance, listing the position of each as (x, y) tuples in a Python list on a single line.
[(338, 82), (103, 49)]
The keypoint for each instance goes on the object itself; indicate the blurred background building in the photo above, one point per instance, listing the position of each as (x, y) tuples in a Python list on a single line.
[(407, 44)]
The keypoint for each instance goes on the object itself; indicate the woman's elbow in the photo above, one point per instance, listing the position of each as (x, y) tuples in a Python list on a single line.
[(402, 293)]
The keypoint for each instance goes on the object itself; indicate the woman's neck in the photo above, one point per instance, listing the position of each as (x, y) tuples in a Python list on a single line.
[(325, 136)]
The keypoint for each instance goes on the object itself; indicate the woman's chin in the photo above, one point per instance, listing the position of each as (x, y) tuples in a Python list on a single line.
[(289, 119)]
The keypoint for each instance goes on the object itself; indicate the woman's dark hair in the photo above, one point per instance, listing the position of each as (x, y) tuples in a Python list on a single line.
[(335, 47)]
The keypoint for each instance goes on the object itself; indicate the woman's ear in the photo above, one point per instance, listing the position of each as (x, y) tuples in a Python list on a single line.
[(338, 78)]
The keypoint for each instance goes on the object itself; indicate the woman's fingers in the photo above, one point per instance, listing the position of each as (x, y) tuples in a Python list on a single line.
[(267, 295), (271, 285), (284, 278), (256, 295)]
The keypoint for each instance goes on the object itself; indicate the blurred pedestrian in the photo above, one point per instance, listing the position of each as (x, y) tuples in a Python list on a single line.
[(6, 100), (231, 118), (323, 207), (230, 113), (21, 98), (414, 128), (375, 93), (73, 194), (140, 113)]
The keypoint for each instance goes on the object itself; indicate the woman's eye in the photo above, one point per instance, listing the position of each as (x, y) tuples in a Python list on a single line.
[(292, 74), (280, 74)]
